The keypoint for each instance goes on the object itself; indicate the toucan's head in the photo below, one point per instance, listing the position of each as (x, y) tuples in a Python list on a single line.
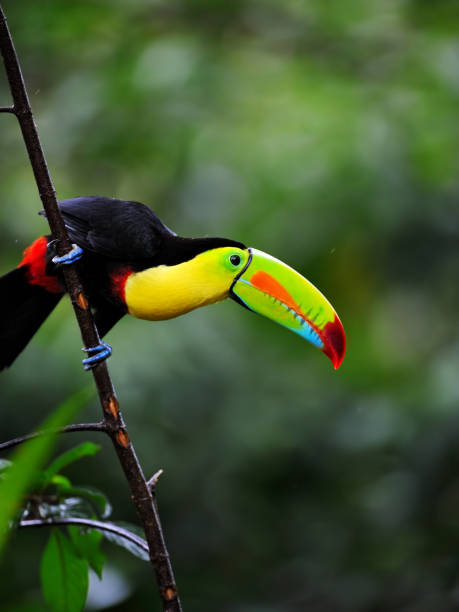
[(252, 278)]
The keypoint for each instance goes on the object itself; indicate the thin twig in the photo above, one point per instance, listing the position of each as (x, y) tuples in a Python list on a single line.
[(100, 525), (152, 486), (101, 426), (153, 480), (7, 109), (116, 429)]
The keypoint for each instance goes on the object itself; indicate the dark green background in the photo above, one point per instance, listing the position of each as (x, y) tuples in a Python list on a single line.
[(324, 133)]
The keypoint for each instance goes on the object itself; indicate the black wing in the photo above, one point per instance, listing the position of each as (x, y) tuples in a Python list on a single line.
[(117, 229)]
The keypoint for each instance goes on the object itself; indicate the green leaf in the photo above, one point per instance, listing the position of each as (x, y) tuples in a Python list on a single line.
[(87, 544), (86, 449), (81, 502), (4, 464), (61, 482), (99, 503), (29, 458), (64, 575), (69, 507), (4, 467), (132, 547)]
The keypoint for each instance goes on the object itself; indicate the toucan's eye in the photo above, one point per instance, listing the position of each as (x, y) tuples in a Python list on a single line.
[(235, 260)]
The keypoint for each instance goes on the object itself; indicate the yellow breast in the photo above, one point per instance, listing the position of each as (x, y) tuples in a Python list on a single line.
[(165, 292)]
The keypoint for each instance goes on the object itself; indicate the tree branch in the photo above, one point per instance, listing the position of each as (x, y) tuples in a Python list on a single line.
[(7, 109), (92, 524), (116, 428), (101, 426)]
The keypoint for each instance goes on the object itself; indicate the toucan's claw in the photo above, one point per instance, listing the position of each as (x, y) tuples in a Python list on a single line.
[(70, 257), (102, 351)]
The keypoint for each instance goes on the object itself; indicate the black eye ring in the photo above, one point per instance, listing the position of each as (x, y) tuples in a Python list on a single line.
[(235, 260)]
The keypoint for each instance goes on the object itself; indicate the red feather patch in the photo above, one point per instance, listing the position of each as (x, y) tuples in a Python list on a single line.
[(119, 278), (35, 260)]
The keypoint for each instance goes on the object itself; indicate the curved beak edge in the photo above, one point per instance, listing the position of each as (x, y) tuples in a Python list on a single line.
[(335, 344), (273, 289)]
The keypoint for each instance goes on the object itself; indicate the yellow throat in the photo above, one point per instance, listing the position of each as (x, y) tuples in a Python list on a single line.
[(165, 292)]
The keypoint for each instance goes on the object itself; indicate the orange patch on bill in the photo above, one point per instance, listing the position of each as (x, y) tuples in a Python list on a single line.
[(266, 283)]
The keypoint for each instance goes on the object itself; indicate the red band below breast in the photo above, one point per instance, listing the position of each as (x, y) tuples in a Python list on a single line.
[(118, 282), (35, 261)]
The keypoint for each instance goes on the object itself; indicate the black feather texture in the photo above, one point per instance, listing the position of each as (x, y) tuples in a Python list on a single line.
[(130, 232), (117, 238), (23, 308)]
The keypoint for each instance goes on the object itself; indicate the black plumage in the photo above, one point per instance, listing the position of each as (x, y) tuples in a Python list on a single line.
[(115, 235), (130, 232), (118, 233), (23, 308)]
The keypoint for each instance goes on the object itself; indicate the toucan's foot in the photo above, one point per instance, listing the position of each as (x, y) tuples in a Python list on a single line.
[(101, 352), (70, 257)]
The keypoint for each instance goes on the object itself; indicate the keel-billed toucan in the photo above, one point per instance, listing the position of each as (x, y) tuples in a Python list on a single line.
[(131, 263)]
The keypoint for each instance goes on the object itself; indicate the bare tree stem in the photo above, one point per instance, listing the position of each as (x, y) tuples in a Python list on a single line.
[(115, 427), (101, 426), (92, 524)]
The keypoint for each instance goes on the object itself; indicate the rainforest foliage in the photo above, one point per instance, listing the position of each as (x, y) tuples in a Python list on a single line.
[(325, 133)]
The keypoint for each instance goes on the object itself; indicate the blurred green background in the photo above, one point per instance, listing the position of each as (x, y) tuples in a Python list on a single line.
[(324, 133)]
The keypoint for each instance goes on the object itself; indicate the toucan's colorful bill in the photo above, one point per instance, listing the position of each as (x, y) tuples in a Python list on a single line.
[(273, 289)]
